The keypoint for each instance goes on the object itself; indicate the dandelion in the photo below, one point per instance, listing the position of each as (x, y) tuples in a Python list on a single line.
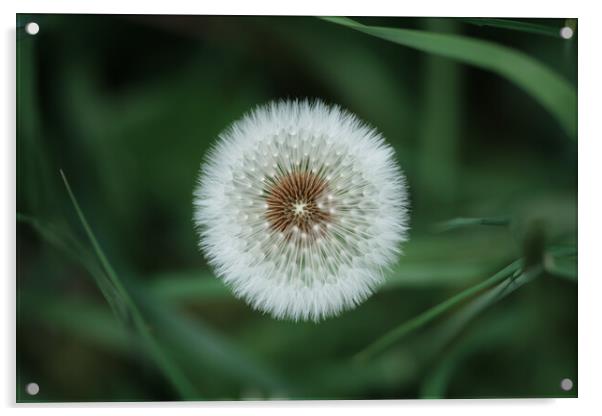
[(301, 208)]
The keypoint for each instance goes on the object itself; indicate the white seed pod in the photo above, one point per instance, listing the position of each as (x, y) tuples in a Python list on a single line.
[(300, 208)]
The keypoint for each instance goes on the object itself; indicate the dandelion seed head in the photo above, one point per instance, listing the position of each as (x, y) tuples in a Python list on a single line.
[(323, 204)]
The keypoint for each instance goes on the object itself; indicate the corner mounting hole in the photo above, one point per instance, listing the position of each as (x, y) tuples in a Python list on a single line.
[(566, 384), (32, 28), (566, 32), (32, 389)]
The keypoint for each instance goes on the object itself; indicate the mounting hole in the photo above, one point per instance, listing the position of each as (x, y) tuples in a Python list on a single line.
[(32, 389), (566, 32), (32, 28), (566, 384)]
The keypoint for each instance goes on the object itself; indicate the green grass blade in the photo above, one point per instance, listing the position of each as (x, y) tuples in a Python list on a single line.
[(339, 64), (95, 245), (194, 286), (552, 91), (456, 223), (198, 346), (201, 348), (67, 244), (479, 304), (527, 27), (561, 266), (435, 388), (171, 371), (439, 134), (424, 318)]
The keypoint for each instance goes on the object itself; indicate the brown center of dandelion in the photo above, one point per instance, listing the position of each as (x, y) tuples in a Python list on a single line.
[(294, 203)]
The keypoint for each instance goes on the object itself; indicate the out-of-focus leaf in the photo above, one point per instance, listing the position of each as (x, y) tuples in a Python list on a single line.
[(35, 187), (81, 319), (197, 345), (65, 242), (527, 27), (189, 286), (443, 261), (466, 222), (198, 285), (550, 89), (561, 266), (345, 68), (440, 129), (435, 384)]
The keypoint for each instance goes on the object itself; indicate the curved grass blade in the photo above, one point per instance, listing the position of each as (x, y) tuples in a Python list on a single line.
[(196, 344), (527, 27), (435, 388), (461, 319), (180, 382), (552, 91), (66, 243), (189, 340), (424, 318)]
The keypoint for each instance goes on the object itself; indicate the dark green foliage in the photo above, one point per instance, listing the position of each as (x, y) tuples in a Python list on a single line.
[(116, 303)]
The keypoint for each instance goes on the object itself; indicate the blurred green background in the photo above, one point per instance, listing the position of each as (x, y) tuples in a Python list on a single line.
[(127, 106)]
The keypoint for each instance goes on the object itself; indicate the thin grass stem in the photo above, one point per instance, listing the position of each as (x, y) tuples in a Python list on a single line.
[(170, 369), (424, 318)]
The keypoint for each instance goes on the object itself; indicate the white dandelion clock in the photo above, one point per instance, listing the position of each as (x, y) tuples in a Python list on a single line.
[(301, 208)]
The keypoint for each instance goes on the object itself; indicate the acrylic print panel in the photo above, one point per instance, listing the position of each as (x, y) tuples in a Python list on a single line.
[(230, 208)]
